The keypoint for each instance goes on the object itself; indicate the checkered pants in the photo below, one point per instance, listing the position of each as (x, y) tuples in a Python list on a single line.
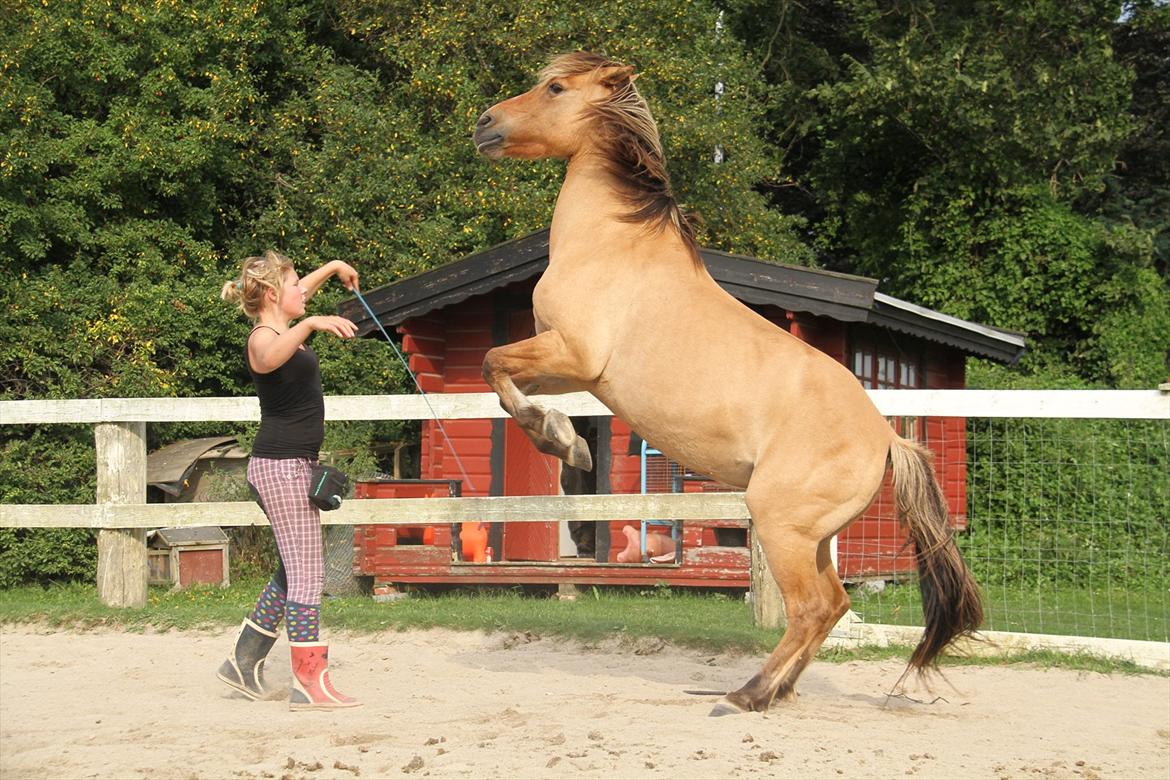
[(283, 486)]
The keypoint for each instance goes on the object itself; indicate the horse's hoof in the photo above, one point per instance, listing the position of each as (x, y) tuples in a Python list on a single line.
[(557, 427), (579, 457), (725, 708)]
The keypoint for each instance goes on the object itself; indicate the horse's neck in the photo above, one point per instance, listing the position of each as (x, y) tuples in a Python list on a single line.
[(588, 205)]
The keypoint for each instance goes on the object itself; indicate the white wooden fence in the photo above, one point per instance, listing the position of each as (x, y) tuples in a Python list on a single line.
[(122, 516)]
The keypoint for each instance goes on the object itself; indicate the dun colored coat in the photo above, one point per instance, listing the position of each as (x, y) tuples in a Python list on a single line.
[(622, 312)]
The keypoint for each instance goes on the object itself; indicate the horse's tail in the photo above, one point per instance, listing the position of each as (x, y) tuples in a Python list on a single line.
[(951, 604)]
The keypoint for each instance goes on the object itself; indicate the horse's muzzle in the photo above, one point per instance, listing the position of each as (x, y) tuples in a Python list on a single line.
[(488, 140)]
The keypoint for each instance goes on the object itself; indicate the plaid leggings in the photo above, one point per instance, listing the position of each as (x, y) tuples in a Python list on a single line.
[(283, 486)]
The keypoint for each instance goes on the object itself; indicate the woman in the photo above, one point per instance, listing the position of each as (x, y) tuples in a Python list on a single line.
[(292, 426)]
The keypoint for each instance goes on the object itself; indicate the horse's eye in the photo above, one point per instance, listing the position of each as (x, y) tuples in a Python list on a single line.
[(555, 88)]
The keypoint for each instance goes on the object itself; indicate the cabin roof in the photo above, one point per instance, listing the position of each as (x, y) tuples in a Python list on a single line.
[(838, 296)]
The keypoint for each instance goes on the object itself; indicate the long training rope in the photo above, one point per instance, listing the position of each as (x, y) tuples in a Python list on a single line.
[(442, 430)]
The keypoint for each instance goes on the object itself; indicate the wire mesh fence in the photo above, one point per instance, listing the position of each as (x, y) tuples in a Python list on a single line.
[(1064, 522)]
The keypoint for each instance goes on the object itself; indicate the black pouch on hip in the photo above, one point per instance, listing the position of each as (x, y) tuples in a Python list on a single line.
[(326, 485)]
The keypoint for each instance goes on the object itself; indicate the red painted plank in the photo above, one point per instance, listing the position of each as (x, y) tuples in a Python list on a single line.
[(464, 361), (457, 429), (581, 574), (466, 375), (424, 327), (412, 344), (430, 383), (426, 364), (480, 339)]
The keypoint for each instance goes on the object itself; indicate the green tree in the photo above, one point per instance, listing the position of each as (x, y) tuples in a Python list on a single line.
[(436, 66), (963, 152), (1138, 191), (950, 149), (145, 147)]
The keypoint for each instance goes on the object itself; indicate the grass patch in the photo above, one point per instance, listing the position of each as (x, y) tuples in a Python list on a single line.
[(1102, 612), (713, 623), (708, 622), (1048, 659), (77, 605)]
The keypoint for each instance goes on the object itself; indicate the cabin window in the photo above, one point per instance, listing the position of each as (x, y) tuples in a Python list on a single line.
[(879, 368), (863, 367), (885, 370)]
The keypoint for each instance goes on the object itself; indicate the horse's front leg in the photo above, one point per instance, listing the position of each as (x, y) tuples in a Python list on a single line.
[(541, 363)]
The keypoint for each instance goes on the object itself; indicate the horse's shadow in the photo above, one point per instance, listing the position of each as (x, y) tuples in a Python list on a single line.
[(650, 661)]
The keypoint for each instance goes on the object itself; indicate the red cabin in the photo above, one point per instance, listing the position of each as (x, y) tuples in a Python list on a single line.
[(449, 317)]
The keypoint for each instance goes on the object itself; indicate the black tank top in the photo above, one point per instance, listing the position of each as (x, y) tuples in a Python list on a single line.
[(292, 407)]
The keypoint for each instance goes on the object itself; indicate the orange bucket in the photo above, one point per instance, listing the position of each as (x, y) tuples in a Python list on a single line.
[(473, 538)]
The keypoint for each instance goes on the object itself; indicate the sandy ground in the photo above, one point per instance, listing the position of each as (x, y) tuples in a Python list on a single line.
[(445, 704)]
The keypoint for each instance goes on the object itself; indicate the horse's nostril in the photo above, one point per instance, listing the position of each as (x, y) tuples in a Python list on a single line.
[(485, 120)]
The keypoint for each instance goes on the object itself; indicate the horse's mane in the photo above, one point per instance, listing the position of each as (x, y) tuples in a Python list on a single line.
[(632, 147)]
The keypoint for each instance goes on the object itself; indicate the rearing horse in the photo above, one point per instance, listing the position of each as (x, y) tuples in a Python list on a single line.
[(625, 311)]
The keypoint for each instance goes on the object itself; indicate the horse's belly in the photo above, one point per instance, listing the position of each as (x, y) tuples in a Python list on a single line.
[(697, 435), (727, 413)]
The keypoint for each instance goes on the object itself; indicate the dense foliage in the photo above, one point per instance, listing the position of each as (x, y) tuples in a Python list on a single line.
[(999, 161), (994, 160)]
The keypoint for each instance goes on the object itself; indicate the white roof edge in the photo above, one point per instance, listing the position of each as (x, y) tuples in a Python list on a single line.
[(921, 311)]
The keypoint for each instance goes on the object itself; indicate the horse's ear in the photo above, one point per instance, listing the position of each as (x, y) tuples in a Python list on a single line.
[(617, 76)]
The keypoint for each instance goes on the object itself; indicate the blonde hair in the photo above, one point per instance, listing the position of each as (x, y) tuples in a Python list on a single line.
[(257, 276)]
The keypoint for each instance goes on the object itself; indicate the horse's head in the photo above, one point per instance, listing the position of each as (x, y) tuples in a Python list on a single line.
[(552, 118), (584, 102)]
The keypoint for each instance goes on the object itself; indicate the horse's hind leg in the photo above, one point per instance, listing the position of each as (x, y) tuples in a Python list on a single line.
[(542, 362), (814, 601), (833, 593)]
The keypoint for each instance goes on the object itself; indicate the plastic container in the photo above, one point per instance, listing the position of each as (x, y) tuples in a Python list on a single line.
[(473, 540)]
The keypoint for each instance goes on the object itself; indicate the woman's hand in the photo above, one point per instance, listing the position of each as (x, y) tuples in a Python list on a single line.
[(338, 326), (346, 275), (269, 349)]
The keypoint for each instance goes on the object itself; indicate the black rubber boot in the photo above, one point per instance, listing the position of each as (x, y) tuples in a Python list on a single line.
[(244, 668)]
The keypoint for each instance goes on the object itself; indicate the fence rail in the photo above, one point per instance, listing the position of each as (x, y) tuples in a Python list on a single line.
[(387, 511), (1024, 533), (1095, 404)]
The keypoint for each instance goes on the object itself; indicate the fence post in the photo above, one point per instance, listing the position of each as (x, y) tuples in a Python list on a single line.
[(121, 479), (767, 603)]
